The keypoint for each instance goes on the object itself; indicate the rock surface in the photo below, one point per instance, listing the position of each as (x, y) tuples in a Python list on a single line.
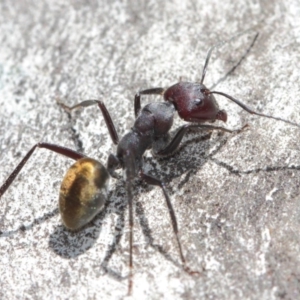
[(236, 197)]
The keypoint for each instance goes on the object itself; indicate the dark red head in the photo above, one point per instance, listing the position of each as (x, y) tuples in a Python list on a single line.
[(194, 102)]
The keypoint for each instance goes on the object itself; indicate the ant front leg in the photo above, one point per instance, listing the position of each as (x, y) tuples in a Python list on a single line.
[(175, 142), (107, 118), (154, 181), (137, 98)]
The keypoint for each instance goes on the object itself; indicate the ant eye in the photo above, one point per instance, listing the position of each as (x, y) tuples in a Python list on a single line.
[(198, 102)]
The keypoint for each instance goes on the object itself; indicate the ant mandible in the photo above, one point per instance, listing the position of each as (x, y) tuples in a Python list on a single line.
[(84, 188)]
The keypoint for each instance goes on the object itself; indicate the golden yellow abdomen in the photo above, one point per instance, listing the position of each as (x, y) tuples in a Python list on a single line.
[(83, 192)]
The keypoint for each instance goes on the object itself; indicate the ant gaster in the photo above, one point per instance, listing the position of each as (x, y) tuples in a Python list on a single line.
[(84, 188)]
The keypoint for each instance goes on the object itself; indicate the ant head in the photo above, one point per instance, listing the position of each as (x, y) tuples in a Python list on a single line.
[(194, 102)]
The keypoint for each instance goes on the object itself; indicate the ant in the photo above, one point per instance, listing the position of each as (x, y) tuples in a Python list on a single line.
[(84, 189)]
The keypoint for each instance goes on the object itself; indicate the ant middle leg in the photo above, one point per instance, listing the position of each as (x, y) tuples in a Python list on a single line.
[(107, 118), (173, 145), (113, 163), (154, 181)]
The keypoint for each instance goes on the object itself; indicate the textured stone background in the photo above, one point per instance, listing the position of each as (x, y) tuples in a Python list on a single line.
[(236, 197)]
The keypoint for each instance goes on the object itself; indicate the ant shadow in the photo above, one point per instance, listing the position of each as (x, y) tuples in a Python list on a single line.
[(117, 203), (24, 228), (69, 244)]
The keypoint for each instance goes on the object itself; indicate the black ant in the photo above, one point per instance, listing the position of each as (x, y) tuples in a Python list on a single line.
[(84, 188)]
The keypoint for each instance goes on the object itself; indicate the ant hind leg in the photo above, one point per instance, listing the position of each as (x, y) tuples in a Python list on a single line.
[(154, 181), (55, 148)]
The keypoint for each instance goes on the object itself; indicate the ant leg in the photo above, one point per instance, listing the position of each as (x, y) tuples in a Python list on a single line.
[(174, 144), (107, 118), (113, 163), (250, 111), (154, 181), (137, 98), (129, 174), (55, 148)]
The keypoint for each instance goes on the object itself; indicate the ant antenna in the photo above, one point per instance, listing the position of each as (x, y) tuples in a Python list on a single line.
[(249, 110), (220, 44), (237, 64)]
